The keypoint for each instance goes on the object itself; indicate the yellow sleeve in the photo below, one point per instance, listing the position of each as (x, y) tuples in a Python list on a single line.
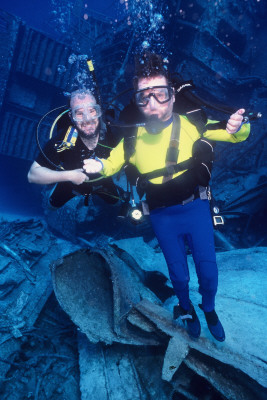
[(115, 160), (222, 135)]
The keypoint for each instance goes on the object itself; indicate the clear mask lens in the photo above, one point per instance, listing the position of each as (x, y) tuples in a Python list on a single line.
[(86, 112), (162, 94)]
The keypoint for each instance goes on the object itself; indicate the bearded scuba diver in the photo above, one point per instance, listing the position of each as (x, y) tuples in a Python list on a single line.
[(61, 161)]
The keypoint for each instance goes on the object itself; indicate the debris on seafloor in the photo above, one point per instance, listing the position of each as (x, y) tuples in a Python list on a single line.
[(98, 290), (126, 346), (113, 306), (27, 248)]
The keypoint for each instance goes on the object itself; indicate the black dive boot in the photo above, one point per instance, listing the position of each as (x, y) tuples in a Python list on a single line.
[(214, 324), (189, 318)]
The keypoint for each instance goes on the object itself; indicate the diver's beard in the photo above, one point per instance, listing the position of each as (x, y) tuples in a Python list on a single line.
[(87, 136)]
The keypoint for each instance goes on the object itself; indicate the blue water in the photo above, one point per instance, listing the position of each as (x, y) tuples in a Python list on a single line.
[(18, 197), (38, 14)]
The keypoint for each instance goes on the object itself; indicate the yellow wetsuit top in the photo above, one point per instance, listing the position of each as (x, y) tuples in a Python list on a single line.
[(150, 150)]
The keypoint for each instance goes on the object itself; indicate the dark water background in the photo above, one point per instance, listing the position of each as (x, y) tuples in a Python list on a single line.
[(18, 196)]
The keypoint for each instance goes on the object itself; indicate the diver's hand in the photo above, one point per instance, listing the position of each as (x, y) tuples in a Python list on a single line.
[(92, 166), (77, 176), (235, 121)]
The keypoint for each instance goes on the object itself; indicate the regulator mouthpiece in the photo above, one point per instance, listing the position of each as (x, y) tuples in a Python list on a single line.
[(154, 125)]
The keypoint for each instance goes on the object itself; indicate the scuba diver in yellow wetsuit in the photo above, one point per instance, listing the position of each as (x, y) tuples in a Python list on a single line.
[(178, 201)]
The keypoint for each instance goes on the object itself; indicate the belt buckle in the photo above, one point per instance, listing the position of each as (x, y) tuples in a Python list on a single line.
[(218, 220), (191, 198)]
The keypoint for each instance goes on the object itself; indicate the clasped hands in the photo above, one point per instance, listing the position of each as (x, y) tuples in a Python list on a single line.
[(92, 166)]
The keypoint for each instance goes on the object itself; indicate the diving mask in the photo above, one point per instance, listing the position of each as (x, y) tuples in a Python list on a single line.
[(162, 94), (86, 112)]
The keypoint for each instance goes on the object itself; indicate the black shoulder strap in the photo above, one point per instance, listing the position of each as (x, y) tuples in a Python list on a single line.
[(199, 119), (129, 142), (173, 150), (170, 170), (217, 125)]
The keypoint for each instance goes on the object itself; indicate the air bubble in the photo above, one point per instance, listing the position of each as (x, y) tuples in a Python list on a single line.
[(61, 69), (72, 58), (83, 57), (158, 17), (145, 44)]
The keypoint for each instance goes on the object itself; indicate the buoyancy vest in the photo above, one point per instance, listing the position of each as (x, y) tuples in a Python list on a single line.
[(69, 139), (197, 169)]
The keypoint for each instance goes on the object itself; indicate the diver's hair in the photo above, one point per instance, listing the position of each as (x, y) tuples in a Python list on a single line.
[(149, 65), (81, 93)]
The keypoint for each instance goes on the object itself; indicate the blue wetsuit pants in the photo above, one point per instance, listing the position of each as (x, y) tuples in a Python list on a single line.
[(191, 222)]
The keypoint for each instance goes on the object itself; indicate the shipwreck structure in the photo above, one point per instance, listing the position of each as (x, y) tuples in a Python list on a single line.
[(117, 339)]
